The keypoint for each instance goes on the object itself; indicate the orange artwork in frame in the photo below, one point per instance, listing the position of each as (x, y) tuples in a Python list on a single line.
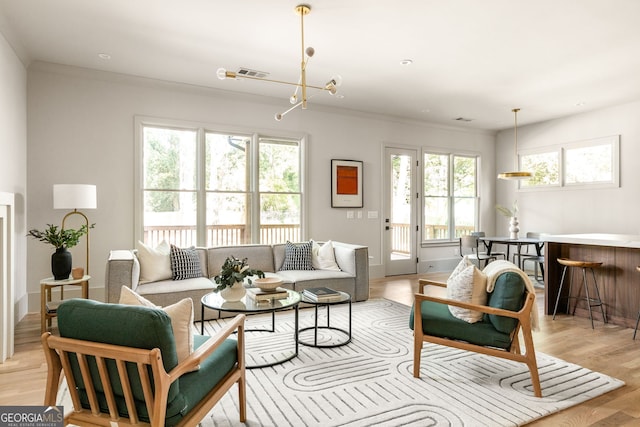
[(346, 183)]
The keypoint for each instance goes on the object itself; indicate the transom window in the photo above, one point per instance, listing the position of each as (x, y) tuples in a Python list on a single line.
[(589, 163), (450, 196), (204, 187)]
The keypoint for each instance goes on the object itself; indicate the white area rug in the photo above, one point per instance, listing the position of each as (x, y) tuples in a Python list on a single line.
[(369, 381)]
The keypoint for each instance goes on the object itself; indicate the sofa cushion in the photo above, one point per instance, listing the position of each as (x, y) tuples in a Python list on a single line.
[(297, 256), (181, 314), (323, 256), (467, 284), (260, 257), (508, 294), (155, 263), (185, 263)]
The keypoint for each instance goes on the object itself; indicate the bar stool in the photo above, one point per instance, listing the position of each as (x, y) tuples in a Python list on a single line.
[(591, 302), (638, 319)]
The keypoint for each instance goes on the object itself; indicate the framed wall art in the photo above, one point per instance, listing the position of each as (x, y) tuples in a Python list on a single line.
[(346, 183)]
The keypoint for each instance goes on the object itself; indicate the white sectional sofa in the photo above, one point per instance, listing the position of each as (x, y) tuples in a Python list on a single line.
[(123, 269)]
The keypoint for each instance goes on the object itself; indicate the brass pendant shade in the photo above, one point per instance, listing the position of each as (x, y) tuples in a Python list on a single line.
[(517, 174)]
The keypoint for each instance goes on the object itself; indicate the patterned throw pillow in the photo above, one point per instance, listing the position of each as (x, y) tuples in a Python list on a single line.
[(185, 263), (297, 257), (467, 284)]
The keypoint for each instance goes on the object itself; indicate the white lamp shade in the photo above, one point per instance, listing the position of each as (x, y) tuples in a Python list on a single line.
[(74, 196)]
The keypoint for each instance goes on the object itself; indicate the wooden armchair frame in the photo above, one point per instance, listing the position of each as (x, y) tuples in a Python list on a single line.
[(513, 353), (57, 351)]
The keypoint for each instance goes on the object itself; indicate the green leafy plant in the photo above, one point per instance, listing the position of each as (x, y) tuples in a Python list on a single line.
[(58, 237), (234, 270), (508, 212)]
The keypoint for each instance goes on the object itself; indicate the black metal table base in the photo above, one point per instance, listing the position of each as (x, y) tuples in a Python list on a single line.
[(281, 360), (328, 326)]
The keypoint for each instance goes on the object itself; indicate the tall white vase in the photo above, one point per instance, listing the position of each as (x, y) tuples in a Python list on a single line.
[(513, 228)]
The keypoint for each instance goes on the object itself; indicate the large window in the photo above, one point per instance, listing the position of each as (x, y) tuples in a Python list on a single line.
[(450, 196), (209, 188), (588, 163)]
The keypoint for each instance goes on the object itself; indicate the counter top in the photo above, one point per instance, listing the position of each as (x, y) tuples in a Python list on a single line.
[(597, 239)]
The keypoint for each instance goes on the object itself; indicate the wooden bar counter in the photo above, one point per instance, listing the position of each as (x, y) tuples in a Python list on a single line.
[(618, 279)]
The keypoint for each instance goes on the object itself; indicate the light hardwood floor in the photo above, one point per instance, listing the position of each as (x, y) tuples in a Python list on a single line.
[(608, 349)]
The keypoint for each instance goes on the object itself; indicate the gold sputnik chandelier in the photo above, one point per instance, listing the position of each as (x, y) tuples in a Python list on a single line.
[(517, 174), (301, 85)]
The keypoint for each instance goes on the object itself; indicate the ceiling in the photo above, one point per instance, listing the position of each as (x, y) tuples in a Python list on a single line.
[(471, 59)]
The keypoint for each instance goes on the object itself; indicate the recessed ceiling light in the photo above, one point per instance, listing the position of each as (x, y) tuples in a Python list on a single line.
[(579, 104), (406, 62), (104, 56), (425, 111)]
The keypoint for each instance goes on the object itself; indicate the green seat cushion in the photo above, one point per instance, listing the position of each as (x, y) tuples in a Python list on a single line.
[(195, 385), (508, 294), (438, 321)]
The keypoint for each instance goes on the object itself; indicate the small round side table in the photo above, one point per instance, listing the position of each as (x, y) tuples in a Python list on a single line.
[(345, 298), (48, 308)]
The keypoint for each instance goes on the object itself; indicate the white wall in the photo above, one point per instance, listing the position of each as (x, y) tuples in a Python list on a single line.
[(81, 130), (559, 211), (13, 157)]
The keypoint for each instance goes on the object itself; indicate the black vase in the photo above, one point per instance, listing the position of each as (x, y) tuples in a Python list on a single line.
[(61, 264)]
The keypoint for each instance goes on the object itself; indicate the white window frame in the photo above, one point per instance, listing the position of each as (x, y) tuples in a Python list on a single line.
[(561, 149), (450, 196), (202, 128)]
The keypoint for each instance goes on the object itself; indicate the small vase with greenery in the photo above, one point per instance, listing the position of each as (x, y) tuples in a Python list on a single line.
[(61, 239), (234, 270)]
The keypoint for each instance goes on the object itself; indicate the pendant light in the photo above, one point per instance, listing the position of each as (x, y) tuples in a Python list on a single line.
[(517, 174)]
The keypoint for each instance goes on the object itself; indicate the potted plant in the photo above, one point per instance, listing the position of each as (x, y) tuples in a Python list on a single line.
[(61, 239), (512, 214), (234, 270)]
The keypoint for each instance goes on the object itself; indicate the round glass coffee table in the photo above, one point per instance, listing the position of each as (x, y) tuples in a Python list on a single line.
[(344, 298), (247, 305)]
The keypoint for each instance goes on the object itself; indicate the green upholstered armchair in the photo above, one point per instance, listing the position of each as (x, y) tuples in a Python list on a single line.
[(508, 311), (122, 368)]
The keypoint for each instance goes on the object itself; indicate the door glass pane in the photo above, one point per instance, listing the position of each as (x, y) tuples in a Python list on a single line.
[(227, 219), (401, 206)]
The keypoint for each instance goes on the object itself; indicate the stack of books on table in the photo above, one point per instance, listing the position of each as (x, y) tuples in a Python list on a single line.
[(259, 295), (321, 294)]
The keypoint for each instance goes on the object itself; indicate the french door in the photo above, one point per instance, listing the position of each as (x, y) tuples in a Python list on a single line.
[(401, 207)]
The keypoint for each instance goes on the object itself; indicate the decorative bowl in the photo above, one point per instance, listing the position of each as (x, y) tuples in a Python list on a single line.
[(267, 283)]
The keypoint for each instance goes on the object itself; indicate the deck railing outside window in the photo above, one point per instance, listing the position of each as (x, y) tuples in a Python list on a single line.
[(220, 235)]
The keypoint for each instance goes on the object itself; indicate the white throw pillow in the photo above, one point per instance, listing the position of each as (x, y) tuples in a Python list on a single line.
[(467, 284), (155, 263), (181, 314), (323, 257)]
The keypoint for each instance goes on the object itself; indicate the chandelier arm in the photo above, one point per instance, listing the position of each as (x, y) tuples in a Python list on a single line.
[(281, 82)]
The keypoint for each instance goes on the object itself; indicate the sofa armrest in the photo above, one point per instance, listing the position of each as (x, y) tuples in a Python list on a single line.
[(123, 269), (354, 259)]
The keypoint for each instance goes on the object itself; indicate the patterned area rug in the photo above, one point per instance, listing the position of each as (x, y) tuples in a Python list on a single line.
[(369, 381)]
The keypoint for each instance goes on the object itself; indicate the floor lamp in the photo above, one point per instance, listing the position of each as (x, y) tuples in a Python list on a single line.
[(75, 196)]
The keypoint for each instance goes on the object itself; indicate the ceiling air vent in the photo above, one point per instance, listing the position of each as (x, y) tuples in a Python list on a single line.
[(252, 73), (462, 119)]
